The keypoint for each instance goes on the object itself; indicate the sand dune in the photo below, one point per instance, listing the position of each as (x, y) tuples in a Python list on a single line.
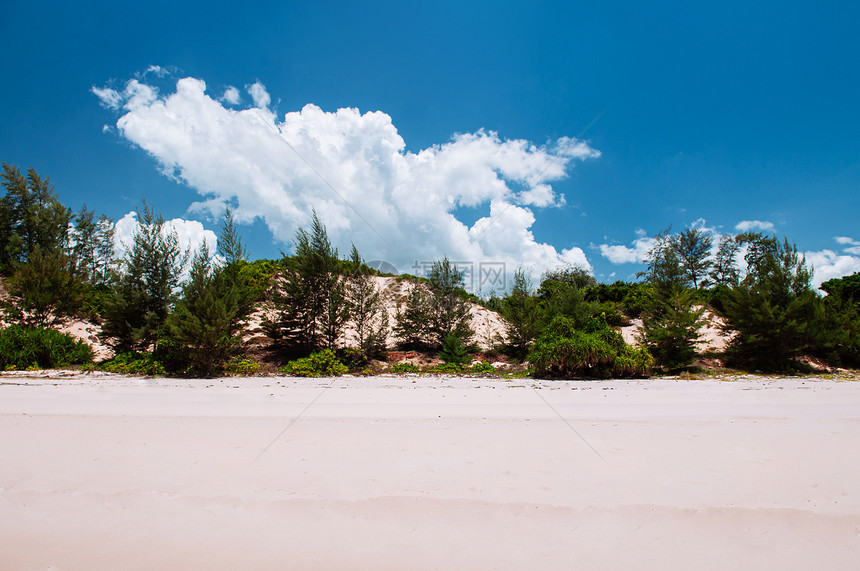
[(106, 472)]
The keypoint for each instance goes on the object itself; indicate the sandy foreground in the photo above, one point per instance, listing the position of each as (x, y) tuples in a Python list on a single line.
[(111, 472)]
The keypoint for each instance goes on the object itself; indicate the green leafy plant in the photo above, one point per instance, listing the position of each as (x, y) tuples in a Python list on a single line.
[(405, 367), (354, 359), (482, 368), (202, 323), (448, 368), (133, 363), (454, 350), (321, 364), (774, 310), (671, 329), (840, 335), (241, 366), (597, 351), (35, 348)]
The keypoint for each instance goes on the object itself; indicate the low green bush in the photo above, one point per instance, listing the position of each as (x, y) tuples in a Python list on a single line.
[(29, 348), (404, 367), (321, 364), (597, 351), (354, 359), (133, 363), (241, 366), (448, 368), (454, 350), (482, 367)]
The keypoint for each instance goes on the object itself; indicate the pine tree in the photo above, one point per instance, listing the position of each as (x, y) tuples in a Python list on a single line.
[(692, 248), (44, 284), (32, 216), (519, 308), (93, 248), (369, 315), (840, 335), (671, 321), (434, 313), (145, 289), (235, 256), (725, 270), (104, 250), (670, 329), (452, 312), (313, 294), (45, 289), (203, 321), (453, 350), (413, 325), (664, 268), (773, 310)]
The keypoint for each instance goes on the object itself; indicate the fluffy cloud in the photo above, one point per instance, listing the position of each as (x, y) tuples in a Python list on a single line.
[(828, 264), (259, 95), (353, 169), (134, 96), (231, 96), (191, 234), (853, 246), (620, 254), (157, 70), (751, 225)]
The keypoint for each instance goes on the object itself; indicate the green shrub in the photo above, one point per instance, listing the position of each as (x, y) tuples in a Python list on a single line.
[(35, 348), (454, 350), (241, 366), (404, 367), (448, 368), (671, 329), (321, 364), (596, 351), (354, 359), (133, 363), (633, 297), (482, 367)]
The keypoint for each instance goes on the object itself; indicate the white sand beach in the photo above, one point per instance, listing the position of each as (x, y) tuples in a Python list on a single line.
[(109, 472)]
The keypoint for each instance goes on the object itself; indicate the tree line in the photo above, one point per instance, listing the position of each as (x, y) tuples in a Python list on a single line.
[(180, 311), (759, 285)]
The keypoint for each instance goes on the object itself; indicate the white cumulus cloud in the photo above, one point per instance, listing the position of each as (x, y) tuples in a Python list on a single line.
[(751, 225), (259, 95), (135, 95), (231, 96), (355, 171), (633, 254), (827, 264), (190, 233), (850, 245)]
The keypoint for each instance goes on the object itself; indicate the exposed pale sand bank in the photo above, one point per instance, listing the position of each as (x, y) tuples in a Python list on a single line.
[(110, 472)]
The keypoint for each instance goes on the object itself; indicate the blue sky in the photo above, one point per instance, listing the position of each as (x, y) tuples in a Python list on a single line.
[(533, 133)]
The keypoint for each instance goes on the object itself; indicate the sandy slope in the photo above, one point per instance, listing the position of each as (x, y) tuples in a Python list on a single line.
[(385, 473)]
